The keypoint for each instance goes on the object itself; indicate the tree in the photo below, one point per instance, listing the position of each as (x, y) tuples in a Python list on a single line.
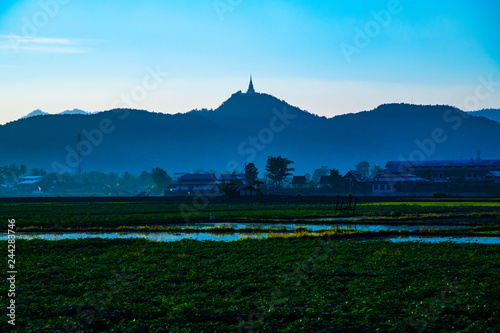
[(7, 172), (363, 168), (38, 172), (336, 179), (376, 171), (251, 173), (15, 170), (145, 179), (318, 173), (277, 169), (308, 177), (161, 178), (258, 183), (23, 169)]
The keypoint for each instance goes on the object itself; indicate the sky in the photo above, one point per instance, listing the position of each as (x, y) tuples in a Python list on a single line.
[(326, 57)]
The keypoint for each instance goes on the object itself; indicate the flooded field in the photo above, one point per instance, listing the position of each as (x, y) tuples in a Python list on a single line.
[(205, 236)]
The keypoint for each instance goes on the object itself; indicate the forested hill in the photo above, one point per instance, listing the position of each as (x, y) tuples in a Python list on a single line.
[(492, 114), (250, 126)]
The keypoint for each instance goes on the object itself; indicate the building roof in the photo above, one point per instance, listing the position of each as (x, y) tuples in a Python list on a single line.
[(230, 177), (403, 166), (495, 174), (299, 180), (29, 178), (398, 178), (354, 174), (30, 181), (201, 179), (197, 176)]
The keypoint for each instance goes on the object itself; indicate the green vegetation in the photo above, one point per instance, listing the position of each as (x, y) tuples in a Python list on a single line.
[(270, 285), (82, 215)]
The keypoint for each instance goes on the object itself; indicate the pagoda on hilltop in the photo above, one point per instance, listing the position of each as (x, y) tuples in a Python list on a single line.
[(250, 90)]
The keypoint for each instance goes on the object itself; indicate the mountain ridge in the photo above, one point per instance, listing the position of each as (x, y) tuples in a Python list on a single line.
[(245, 128)]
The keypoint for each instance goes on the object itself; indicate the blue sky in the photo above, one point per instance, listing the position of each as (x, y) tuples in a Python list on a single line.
[(328, 57)]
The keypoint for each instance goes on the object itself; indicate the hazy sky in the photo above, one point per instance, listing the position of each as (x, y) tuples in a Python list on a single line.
[(328, 57)]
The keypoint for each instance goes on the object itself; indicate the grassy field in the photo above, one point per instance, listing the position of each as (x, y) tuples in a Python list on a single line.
[(81, 215), (272, 285)]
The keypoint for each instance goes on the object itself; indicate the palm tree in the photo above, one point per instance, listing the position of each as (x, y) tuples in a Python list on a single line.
[(278, 170), (15, 170), (23, 169)]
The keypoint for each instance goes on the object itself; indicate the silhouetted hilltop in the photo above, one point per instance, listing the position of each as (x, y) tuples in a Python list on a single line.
[(492, 114), (35, 113), (246, 126)]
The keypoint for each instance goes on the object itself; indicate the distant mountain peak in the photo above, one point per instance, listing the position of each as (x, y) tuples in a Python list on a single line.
[(35, 113), (74, 111)]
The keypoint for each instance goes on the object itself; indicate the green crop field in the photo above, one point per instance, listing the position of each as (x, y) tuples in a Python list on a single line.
[(270, 285), (81, 215)]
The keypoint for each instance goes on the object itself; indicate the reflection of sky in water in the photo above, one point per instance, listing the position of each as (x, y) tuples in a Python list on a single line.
[(153, 236), (315, 227), (478, 240), (172, 237)]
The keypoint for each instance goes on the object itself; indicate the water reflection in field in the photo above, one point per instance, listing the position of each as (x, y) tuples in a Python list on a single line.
[(316, 227), (202, 236)]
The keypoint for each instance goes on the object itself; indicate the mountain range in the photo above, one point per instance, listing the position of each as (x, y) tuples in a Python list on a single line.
[(246, 127), (39, 112)]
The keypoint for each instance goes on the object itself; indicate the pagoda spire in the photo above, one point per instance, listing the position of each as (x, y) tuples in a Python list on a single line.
[(250, 90)]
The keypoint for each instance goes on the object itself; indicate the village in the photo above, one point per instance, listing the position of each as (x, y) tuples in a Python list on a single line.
[(473, 177)]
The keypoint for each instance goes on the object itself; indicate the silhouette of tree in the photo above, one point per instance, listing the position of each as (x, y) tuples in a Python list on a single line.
[(363, 168), (38, 172), (258, 183), (23, 169), (376, 171), (336, 179), (145, 178), (251, 173), (15, 170), (318, 173), (277, 169), (161, 178), (308, 177)]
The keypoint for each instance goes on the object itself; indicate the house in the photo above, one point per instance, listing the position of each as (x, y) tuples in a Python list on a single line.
[(206, 181), (28, 180), (354, 176), (299, 181), (232, 178), (29, 184), (445, 170), (196, 181), (392, 183), (493, 176)]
